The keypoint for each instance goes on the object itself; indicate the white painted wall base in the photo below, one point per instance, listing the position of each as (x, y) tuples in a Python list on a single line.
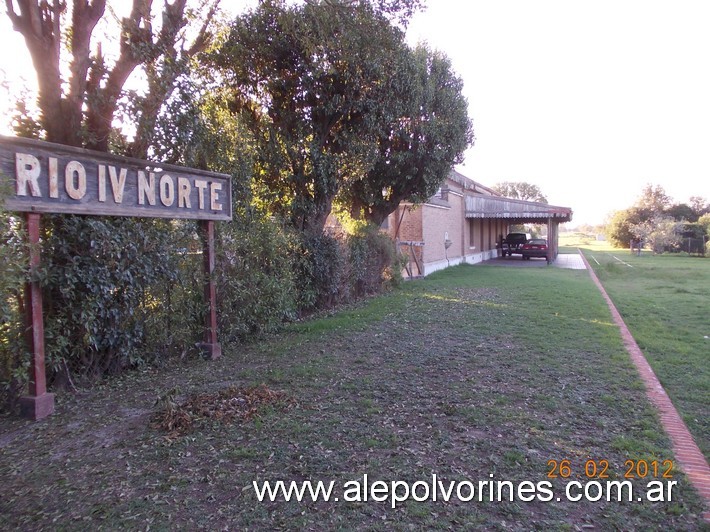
[(473, 258)]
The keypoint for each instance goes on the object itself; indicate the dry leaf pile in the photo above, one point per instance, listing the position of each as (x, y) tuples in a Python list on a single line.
[(225, 406)]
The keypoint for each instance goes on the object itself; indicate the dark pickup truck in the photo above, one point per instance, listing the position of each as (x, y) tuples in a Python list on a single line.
[(513, 242)]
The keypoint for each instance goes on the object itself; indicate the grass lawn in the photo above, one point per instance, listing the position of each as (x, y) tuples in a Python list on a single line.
[(472, 374), (665, 301)]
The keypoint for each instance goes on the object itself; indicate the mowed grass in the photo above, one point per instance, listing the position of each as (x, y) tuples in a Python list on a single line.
[(665, 302), (570, 242), (472, 374)]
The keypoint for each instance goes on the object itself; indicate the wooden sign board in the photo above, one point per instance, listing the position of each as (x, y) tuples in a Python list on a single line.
[(47, 177), (40, 177)]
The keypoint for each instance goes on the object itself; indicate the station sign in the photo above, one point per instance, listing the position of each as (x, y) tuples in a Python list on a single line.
[(50, 178)]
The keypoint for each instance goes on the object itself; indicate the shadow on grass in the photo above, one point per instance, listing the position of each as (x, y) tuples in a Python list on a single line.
[(473, 374)]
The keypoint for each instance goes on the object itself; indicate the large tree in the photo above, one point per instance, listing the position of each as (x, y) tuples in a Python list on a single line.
[(682, 211), (79, 102), (423, 131), (699, 205), (308, 81), (659, 231), (638, 221), (520, 190), (619, 225), (653, 200)]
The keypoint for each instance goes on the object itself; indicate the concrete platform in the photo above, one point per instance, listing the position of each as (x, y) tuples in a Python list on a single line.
[(572, 261)]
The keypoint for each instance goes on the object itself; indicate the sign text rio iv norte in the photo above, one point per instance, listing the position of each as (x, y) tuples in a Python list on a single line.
[(48, 177)]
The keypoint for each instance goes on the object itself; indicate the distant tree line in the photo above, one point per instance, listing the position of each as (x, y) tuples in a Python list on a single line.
[(315, 108), (655, 221)]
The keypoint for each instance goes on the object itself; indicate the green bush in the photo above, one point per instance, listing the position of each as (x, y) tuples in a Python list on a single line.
[(108, 284), (337, 269), (174, 305), (256, 281), (120, 293), (14, 357), (321, 267), (374, 263)]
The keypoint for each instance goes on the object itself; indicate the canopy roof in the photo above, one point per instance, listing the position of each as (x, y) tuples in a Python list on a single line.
[(514, 210)]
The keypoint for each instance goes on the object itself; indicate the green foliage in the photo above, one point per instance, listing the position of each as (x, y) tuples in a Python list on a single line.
[(13, 350), (293, 118), (322, 269), (635, 222), (520, 190), (652, 218), (423, 131), (704, 222), (397, 10), (374, 261), (653, 199), (129, 292), (256, 281), (682, 212), (618, 228), (692, 238), (25, 122), (308, 81), (338, 269), (662, 233), (693, 230), (108, 284), (699, 205)]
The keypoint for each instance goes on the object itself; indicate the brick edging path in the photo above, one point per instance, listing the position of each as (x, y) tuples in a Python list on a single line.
[(686, 451)]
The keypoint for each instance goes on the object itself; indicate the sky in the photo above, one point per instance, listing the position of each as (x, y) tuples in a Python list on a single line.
[(588, 100)]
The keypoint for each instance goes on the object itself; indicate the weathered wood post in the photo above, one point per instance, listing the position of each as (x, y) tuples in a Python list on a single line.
[(210, 346), (38, 403), (51, 178)]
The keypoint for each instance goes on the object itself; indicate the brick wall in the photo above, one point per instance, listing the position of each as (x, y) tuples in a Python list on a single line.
[(442, 219), (472, 240), (410, 227)]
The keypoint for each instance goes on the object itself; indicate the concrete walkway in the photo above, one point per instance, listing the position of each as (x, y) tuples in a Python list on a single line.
[(687, 453), (572, 261)]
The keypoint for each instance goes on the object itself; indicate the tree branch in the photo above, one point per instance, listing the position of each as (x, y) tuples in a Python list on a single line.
[(162, 77), (85, 16), (136, 38), (38, 23)]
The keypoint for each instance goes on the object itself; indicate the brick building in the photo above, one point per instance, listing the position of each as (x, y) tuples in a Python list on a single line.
[(465, 221)]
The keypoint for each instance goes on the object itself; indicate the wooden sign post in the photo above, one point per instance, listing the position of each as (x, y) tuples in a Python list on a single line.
[(210, 345), (38, 403), (51, 178)]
